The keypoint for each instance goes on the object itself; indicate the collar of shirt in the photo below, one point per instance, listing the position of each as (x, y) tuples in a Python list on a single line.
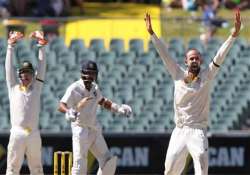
[(93, 88), (25, 88), (196, 79)]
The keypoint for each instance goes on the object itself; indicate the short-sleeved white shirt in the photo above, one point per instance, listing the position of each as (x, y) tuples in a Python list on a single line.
[(75, 93)]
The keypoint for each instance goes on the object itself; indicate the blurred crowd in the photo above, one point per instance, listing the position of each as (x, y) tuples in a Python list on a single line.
[(38, 8), (209, 19), (192, 5), (55, 8), (60, 8)]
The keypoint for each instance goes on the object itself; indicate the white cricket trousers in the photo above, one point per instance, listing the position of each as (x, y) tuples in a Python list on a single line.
[(85, 139), (21, 144), (183, 141)]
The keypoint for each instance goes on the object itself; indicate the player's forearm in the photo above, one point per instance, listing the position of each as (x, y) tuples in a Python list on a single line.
[(224, 49), (63, 107), (10, 73), (41, 63), (162, 50), (109, 105), (120, 109)]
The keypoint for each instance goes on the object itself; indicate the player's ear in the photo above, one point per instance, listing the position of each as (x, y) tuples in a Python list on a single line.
[(185, 60)]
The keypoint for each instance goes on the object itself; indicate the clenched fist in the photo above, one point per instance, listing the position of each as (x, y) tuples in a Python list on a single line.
[(125, 110), (71, 115)]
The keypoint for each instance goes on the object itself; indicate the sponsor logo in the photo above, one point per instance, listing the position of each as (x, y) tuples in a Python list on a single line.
[(131, 156), (227, 156)]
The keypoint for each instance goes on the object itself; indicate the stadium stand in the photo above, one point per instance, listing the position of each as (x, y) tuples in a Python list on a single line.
[(117, 46), (136, 77)]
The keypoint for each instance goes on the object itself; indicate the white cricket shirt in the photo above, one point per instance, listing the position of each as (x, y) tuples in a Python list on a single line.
[(191, 101), (75, 93)]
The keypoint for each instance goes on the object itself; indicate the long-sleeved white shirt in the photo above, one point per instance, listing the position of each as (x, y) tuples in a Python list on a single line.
[(75, 93), (192, 101), (24, 105)]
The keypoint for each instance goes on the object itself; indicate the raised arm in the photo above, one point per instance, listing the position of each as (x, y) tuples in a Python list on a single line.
[(14, 36), (39, 36), (222, 52), (161, 48)]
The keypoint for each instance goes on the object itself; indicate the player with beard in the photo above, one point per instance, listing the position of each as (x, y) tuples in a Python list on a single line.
[(80, 103), (191, 102)]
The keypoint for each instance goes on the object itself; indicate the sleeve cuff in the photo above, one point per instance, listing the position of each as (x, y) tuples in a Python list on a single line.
[(231, 38), (10, 46), (40, 46), (153, 36), (215, 64)]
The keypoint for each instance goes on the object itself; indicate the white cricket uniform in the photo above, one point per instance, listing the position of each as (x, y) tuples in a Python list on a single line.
[(191, 105), (86, 131), (24, 116)]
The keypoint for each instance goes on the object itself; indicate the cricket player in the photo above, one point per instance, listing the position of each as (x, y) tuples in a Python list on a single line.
[(24, 97), (191, 102), (80, 104)]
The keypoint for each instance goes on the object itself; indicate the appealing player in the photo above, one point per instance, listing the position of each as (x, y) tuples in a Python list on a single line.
[(24, 97), (191, 102), (80, 104)]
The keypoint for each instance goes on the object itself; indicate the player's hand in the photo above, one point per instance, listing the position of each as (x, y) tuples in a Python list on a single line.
[(39, 36), (71, 115), (147, 20), (237, 24), (82, 103), (14, 36), (125, 110)]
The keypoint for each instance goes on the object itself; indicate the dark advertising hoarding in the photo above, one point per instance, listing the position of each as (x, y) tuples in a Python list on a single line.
[(145, 153)]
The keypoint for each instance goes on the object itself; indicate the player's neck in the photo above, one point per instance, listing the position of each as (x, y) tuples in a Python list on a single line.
[(23, 87), (190, 77)]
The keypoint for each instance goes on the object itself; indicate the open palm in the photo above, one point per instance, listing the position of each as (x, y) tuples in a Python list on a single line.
[(14, 36), (147, 19), (237, 24)]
